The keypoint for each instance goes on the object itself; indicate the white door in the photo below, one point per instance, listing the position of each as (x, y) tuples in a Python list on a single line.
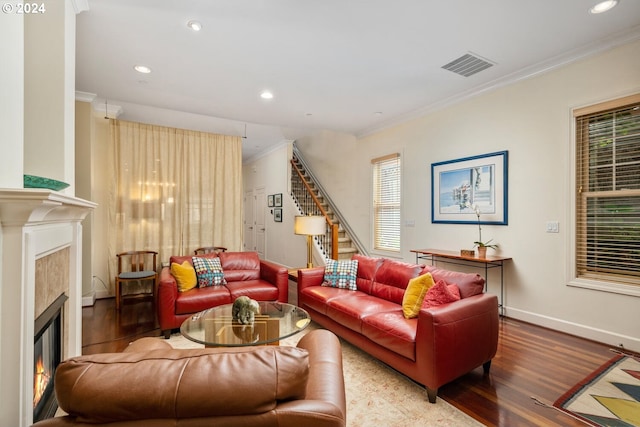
[(249, 221), (260, 222)]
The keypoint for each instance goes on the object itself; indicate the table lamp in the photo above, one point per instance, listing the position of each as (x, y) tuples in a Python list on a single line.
[(309, 226)]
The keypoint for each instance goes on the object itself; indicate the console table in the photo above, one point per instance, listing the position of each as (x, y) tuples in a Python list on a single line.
[(452, 257)]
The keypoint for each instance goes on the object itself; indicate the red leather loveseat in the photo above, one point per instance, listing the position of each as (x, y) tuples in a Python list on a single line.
[(439, 345), (244, 274)]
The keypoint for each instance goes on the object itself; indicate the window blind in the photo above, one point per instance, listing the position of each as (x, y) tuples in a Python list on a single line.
[(386, 202), (608, 191)]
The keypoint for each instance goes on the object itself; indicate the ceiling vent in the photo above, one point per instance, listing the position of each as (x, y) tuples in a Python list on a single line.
[(468, 65)]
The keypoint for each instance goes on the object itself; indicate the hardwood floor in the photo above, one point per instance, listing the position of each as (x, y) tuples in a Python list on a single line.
[(531, 361)]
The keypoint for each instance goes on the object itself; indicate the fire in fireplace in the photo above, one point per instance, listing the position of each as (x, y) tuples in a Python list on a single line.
[(41, 379), (47, 355)]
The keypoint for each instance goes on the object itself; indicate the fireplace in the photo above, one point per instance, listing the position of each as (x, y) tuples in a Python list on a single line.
[(41, 252), (47, 354)]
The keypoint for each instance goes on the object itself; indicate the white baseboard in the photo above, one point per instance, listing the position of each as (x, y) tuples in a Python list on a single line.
[(607, 337), (88, 300), (103, 294)]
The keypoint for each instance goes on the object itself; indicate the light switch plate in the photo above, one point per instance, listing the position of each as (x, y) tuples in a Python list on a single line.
[(553, 227)]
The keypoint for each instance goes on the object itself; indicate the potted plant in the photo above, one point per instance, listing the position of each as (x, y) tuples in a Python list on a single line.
[(482, 246)]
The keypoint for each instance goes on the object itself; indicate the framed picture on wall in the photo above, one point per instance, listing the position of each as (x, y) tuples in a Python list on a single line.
[(277, 215), (270, 200), (277, 199), (457, 186)]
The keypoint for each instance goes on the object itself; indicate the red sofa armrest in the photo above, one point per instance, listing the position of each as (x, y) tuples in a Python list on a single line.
[(278, 276), (455, 338), (310, 277), (167, 295)]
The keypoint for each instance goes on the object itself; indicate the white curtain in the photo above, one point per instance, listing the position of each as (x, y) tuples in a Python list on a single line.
[(173, 190)]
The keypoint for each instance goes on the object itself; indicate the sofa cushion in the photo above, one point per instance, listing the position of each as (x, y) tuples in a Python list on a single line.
[(199, 299), (317, 297), (392, 278), (391, 330), (367, 267), (351, 308), (104, 388), (441, 293), (259, 290), (341, 274), (208, 271), (185, 276), (414, 295), (240, 266), (469, 284)]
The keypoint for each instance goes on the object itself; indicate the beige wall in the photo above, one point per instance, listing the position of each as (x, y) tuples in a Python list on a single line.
[(531, 119), (92, 145), (12, 105), (83, 138), (49, 90)]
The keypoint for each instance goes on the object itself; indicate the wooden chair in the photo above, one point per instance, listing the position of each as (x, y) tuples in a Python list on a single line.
[(136, 266), (209, 249)]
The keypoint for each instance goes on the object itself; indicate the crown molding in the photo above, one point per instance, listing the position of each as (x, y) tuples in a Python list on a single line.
[(85, 96), (111, 111)]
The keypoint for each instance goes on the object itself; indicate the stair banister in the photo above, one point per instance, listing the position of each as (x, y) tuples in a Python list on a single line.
[(332, 225), (345, 225)]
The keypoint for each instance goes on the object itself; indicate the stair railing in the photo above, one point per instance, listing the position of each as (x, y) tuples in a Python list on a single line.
[(309, 204), (345, 226)]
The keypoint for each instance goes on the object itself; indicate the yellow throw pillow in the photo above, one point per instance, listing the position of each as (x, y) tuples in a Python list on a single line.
[(185, 275), (414, 295)]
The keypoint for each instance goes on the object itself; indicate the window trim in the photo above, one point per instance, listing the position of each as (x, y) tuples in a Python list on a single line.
[(571, 271)]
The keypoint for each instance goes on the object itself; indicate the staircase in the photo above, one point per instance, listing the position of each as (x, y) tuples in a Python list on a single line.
[(338, 242)]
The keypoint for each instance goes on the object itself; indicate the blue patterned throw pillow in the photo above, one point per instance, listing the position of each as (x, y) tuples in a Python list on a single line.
[(341, 274), (209, 272)]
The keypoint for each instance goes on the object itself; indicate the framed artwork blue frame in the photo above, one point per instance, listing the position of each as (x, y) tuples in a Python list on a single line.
[(457, 185)]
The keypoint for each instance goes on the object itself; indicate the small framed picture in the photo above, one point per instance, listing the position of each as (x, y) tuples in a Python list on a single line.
[(277, 199), (277, 215), (270, 200)]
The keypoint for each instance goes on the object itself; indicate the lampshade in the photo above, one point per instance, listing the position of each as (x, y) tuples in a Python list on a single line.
[(309, 225)]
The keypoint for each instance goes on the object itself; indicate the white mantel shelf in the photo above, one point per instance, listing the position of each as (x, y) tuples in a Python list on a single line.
[(32, 205), (34, 223)]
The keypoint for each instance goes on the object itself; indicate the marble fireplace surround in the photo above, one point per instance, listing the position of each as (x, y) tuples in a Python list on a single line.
[(41, 237)]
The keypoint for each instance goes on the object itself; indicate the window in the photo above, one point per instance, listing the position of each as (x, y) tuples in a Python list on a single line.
[(386, 203), (608, 192)]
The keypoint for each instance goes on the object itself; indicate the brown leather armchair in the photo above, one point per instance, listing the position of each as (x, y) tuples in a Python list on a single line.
[(151, 384)]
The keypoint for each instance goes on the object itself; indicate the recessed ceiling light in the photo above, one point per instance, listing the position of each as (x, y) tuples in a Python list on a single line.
[(603, 6), (194, 25), (266, 95), (142, 69)]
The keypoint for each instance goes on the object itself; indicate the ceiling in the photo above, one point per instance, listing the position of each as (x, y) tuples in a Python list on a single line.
[(352, 66)]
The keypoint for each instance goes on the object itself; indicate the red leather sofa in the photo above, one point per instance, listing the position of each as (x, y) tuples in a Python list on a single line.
[(245, 274), (438, 346)]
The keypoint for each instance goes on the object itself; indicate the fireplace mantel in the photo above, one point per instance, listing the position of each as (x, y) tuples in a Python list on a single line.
[(33, 224), (34, 206)]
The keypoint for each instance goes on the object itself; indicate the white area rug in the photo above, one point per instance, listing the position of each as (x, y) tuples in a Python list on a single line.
[(376, 394)]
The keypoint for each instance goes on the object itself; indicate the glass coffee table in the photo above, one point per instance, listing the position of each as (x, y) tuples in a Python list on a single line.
[(216, 327)]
